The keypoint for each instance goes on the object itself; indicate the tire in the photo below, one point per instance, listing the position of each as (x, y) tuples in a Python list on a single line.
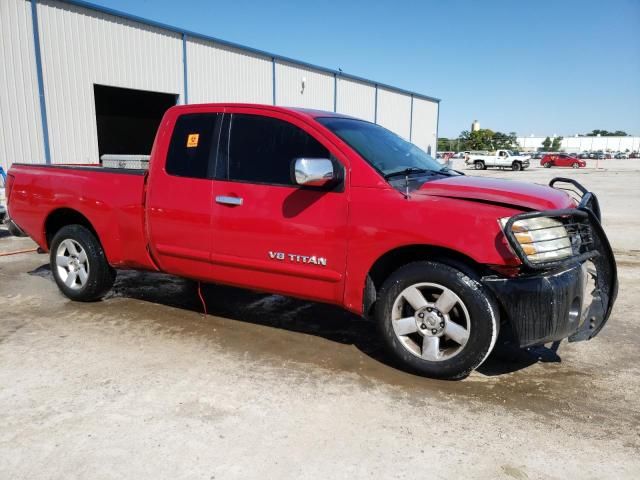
[(79, 265), (575, 165), (479, 165), (516, 166), (467, 306), (547, 165)]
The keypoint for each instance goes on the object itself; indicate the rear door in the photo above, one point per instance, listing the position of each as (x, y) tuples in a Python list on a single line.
[(180, 195), (271, 234)]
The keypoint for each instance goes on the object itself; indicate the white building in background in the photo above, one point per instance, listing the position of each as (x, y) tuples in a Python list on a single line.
[(585, 144), (80, 80)]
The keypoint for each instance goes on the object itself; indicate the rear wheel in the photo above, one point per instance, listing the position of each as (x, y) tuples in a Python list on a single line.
[(79, 265), (516, 166), (575, 165), (547, 165), (479, 165), (437, 320)]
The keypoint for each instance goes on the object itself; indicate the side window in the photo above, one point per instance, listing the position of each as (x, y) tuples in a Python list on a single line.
[(261, 149), (193, 147)]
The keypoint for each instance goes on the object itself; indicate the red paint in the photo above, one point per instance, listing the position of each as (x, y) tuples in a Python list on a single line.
[(173, 224), (561, 160)]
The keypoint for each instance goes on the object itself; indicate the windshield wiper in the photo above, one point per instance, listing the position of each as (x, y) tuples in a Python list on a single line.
[(405, 172)]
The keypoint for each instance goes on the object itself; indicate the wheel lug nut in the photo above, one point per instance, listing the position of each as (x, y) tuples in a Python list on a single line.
[(423, 326), (442, 324), (434, 331), (429, 309), (421, 315), (439, 314)]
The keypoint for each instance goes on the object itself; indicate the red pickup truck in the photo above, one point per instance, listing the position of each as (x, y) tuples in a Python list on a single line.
[(333, 209)]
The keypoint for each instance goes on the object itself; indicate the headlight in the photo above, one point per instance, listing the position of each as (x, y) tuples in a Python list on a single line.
[(542, 239)]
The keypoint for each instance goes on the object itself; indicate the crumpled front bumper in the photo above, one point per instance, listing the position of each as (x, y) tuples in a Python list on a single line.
[(571, 299)]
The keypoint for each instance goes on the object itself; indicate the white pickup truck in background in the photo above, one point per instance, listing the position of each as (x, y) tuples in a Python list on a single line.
[(500, 159)]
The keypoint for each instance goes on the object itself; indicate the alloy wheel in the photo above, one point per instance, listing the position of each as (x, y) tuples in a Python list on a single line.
[(431, 321), (72, 264)]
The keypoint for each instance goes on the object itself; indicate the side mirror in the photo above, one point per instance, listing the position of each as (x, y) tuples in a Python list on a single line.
[(313, 172)]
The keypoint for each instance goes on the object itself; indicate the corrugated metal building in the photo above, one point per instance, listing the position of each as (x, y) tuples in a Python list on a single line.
[(80, 80)]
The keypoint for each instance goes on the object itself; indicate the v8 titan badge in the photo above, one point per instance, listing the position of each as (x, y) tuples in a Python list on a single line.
[(295, 258), (192, 140)]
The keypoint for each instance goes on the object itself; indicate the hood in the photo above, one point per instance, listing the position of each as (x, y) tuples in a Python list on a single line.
[(518, 194)]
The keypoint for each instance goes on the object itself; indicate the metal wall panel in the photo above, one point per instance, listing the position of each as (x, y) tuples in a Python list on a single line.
[(218, 73), (357, 99), (317, 92), (82, 47), (424, 126), (20, 121), (394, 111)]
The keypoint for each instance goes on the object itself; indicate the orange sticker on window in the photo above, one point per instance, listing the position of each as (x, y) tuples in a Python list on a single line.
[(192, 140)]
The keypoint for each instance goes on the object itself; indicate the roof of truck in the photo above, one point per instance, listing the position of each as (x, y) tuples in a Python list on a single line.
[(308, 112)]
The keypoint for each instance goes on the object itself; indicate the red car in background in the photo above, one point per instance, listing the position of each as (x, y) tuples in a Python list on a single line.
[(562, 160)]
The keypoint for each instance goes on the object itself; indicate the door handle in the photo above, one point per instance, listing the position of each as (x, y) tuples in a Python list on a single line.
[(225, 200)]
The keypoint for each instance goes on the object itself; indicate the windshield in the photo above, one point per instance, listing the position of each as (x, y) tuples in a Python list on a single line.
[(384, 150)]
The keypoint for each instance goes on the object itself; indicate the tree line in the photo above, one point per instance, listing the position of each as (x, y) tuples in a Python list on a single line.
[(483, 139)]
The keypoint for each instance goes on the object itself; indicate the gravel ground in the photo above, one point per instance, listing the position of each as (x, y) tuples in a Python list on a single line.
[(142, 385)]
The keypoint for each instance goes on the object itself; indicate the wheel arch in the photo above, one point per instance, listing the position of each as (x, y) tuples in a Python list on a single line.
[(393, 259), (62, 217)]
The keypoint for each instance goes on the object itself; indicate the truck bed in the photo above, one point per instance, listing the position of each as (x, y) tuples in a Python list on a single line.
[(111, 197)]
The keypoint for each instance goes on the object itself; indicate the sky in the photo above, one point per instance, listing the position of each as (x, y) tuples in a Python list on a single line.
[(538, 67)]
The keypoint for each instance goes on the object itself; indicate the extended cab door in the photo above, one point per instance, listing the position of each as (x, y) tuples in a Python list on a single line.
[(271, 234), (180, 194)]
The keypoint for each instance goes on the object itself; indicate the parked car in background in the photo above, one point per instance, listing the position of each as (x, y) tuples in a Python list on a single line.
[(562, 160), (583, 155), (621, 155), (500, 159), (537, 156)]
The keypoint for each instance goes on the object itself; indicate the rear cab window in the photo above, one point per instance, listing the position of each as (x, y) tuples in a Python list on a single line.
[(192, 150)]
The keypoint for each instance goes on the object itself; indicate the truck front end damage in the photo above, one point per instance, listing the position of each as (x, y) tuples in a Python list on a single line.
[(568, 282)]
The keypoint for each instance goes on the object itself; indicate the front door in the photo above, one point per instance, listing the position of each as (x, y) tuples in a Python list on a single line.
[(271, 234)]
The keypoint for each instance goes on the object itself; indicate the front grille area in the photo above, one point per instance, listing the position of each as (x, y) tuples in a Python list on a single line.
[(580, 235)]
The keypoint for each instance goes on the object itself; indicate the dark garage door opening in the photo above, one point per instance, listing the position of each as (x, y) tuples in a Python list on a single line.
[(128, 119)]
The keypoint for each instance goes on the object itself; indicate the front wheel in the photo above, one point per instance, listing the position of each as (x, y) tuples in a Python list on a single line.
[(516, 166), (547, 165), (437, 320), (479, 165), (79, 265), (575, 165)]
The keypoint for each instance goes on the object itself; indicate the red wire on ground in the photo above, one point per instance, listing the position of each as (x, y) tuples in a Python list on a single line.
[(204, 305), (6, 254)]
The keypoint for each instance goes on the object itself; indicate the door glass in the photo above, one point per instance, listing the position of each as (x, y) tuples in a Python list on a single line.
[(192, 149), (261, 149)]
